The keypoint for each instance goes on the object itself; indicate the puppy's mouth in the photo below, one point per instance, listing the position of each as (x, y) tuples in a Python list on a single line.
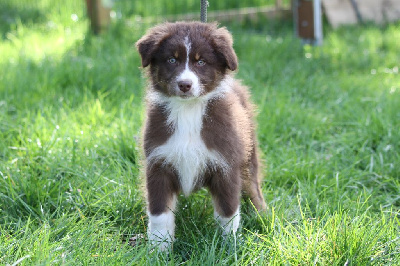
[(184, 95), (185, 98)]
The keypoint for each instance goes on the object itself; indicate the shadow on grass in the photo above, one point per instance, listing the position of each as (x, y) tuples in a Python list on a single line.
[(12, 13)]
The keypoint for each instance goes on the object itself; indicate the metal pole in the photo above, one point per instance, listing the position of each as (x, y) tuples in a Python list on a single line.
[(317, 22), (203, 10)]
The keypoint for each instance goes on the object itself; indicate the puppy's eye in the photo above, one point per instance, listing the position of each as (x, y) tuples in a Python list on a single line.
[(172, 60), (201, 62)]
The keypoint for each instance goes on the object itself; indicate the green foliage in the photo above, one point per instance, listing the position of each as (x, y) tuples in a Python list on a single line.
[(71, 112)]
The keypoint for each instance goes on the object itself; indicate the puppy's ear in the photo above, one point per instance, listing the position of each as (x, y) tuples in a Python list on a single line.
[(223, 44), (149, 43)]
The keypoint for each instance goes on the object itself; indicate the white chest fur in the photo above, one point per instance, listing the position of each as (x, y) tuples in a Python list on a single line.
[(185, 149)]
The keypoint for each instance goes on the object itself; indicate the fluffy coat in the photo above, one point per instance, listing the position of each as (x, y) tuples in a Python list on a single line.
[(200, 129)]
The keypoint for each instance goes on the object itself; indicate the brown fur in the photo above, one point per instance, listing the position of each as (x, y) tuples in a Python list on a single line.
[(163, 182), (156, 130)]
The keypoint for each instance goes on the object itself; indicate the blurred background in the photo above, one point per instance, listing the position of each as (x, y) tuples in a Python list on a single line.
[(305, 15), (128, 8), (138, 12)]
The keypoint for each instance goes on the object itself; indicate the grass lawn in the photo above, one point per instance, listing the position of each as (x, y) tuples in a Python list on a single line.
[(71, 111)]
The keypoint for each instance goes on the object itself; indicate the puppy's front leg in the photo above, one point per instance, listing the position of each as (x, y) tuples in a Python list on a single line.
[(225, 189), (162, 188)]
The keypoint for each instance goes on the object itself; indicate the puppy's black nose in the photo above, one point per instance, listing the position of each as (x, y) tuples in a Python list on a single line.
[(185, 85)]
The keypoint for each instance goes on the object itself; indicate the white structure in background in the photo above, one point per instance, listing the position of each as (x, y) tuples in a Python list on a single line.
[(341, 12)]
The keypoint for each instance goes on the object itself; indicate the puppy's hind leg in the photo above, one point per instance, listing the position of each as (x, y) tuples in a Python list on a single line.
[(252, 181)]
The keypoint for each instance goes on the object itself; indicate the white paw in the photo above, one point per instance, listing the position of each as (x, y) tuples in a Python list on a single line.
[(161, 230), (228, 224)]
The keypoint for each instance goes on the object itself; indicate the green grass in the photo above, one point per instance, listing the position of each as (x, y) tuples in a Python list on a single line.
[(71, 112)]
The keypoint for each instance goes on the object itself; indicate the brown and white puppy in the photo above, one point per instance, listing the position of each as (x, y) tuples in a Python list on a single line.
[(200, 129)]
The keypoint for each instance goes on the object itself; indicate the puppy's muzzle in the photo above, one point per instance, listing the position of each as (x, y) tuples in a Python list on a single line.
[(185, 85)]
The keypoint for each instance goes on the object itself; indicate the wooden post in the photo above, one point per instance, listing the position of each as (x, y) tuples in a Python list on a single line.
[(308, 20), (99, 14)]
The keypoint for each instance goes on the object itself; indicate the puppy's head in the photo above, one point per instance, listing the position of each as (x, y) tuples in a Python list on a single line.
[(187, 59)]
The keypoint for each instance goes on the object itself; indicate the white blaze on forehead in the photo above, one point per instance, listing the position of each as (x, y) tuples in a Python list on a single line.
[(188, 46), (189, 74)]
